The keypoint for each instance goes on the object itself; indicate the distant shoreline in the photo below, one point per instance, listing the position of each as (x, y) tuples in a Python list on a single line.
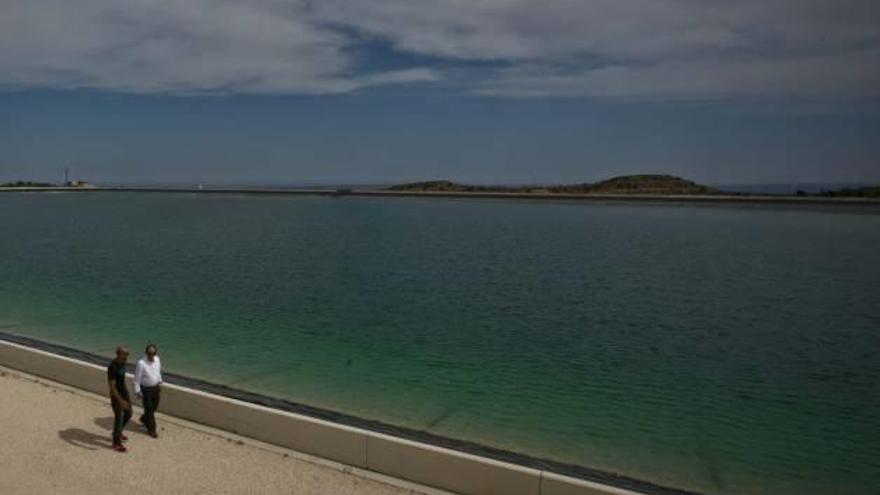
[(634, 197)]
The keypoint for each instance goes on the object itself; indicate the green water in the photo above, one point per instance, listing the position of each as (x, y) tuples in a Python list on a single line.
[(724, 349)]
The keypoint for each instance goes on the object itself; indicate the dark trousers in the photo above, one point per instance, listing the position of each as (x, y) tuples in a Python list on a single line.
[(120, 419), (151, 403)]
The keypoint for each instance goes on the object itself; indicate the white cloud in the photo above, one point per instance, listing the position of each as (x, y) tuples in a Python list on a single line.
[(661, 48), (834, 78), (176, 46), (818, 49)]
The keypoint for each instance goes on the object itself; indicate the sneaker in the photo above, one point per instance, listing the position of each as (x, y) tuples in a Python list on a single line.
[(123, 438), (154, 434), (118, 447)]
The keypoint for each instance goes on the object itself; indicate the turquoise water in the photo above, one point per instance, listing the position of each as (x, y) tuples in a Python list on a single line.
[(723, 349)]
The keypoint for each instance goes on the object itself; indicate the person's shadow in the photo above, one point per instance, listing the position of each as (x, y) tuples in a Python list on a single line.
[(107, 424), (85, 439)]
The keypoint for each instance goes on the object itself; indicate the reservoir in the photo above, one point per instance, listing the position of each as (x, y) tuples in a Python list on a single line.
[(725, 349)]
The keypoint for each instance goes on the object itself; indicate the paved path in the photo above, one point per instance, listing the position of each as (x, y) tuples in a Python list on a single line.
[(55, 439)]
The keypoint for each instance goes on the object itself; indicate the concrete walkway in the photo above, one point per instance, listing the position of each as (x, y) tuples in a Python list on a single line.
[(56, 439)]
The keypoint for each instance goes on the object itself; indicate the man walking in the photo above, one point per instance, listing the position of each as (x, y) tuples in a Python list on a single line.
[(147, 379), (119, 398)]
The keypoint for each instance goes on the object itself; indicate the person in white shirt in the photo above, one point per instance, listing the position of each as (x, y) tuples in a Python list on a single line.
[(147, 380)]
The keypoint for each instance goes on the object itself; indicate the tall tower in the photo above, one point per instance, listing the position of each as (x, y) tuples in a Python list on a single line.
[(66, 176)]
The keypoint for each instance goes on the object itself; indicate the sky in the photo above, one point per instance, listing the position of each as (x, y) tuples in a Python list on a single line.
[(489, 91)]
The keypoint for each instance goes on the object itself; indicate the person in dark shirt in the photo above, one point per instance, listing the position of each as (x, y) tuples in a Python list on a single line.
[(119, 398)]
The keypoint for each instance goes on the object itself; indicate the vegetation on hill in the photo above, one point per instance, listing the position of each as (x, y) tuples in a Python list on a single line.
[(629, 184), (637, 184), (27, 183), (449, 186), (860, 192)]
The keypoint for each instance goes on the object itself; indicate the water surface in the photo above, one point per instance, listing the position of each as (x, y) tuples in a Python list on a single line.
[(727, 349)]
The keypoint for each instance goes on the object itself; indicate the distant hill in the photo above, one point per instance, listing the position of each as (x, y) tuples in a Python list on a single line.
[(31, 184), (26, 183), (859, 192), (433, 186), (637, 184), (628, 184)]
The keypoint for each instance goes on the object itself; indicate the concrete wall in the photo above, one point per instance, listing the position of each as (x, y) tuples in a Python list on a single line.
[(433, 466)]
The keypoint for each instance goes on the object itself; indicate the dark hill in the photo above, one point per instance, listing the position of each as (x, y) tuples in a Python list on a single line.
[(637, 184), (861, 192), (433, 186), (629, 184)]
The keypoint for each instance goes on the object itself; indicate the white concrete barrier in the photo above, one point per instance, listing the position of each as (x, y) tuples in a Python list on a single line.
[(414, 461), (301, 433), (448, 469), (556, 484), (61, 369)]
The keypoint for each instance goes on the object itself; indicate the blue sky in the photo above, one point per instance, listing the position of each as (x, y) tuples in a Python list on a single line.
[(271, 91)]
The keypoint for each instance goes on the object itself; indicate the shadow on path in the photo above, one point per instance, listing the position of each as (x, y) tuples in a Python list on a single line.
[(107, 424), (85, 439)]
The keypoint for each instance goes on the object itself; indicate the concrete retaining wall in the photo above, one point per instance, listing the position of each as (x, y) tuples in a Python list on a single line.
[(427, 464)]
